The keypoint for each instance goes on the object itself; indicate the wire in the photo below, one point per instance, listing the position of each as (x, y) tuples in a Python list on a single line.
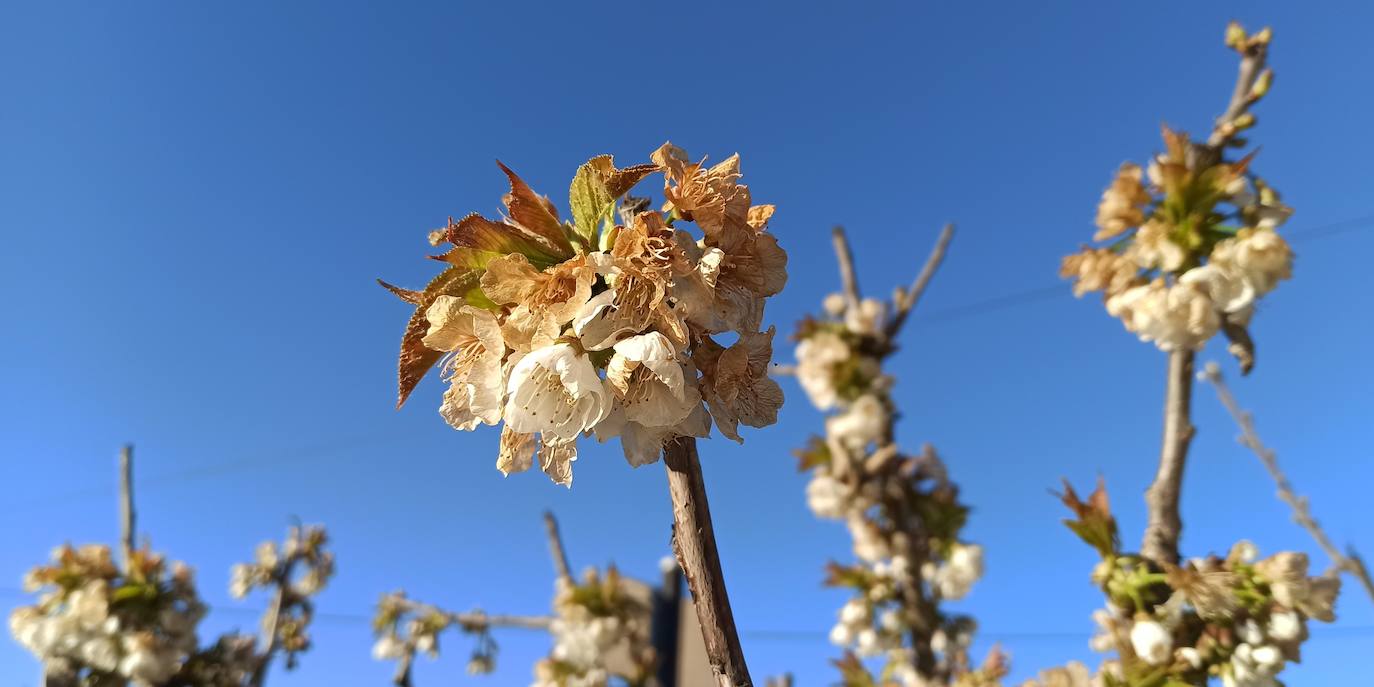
[(798, 636), (1053, 291)]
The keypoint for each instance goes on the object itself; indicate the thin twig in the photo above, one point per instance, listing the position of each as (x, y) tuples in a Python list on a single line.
[(475, 620), (694, 542), (1165, 526), (560, 556), (126, 504), (907, 299), (848, 278), (1302, 512), (271, 622), (1252, 60)]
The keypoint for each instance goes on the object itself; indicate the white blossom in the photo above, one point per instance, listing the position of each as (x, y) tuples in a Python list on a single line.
[(1151, 642), (864, 422), (817, 356), (556, 391), (828, 497)]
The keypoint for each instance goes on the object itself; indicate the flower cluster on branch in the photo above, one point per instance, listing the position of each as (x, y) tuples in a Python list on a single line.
[(902, 511), (1189, 243), (603, 324), (1239, 618), (99, 624), (600, 631)]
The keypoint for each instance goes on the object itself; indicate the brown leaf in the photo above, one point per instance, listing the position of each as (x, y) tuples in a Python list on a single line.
[(411, 297), (415, 359), (621, 181), (1241, 346), (535, 213)]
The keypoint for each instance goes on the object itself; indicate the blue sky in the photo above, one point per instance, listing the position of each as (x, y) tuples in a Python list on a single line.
[(196, 197)]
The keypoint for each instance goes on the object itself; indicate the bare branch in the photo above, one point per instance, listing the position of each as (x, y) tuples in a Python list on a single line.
[(1302, 512), (907, 299), (1165, 526), (694, 542), (126, 504), (560, 557), (848, 278)]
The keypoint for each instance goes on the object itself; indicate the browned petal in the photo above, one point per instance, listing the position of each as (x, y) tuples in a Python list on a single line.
[(511, 279), (759, 216), (556, 460)]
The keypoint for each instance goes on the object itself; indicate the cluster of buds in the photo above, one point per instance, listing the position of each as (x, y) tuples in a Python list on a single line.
[(1188, 245), (600, 632), (98, 623), (297, 570), (902, 511), (603, 325), (1238, 618)]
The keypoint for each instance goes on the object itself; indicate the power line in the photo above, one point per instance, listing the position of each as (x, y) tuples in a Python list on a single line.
[(797, 636), (958, 312), (1059, 289), (311, 452)]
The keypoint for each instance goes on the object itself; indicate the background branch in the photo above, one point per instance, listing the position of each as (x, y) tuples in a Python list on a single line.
[(126, 504), (556, 551), (1253, 55), (694, 543), (848, 278), (1165, 526), (905, 300), (1302, 512)]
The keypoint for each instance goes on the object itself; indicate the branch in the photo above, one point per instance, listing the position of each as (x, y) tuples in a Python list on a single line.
[(848, 278), (1253, 56), (560, 557), (1302, 512), (906, 300), (694, 542), (1164, 526), (126, 504), (477, 620), (272, 620)]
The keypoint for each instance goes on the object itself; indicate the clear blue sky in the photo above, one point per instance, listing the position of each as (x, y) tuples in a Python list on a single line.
[(196, 197)]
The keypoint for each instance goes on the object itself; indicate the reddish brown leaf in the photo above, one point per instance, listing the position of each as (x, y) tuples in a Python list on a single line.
[(622, 180), (411, 297), (478, 240), (415, 360), (535, 213)]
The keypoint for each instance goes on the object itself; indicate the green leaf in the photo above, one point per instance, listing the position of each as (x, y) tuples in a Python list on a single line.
[(594, 191), (590, 200)]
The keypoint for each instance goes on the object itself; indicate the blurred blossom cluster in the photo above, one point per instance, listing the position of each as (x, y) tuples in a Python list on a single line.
[(1189, 243), (902, 511), (603, 324), (601, 631), (105, 626), (296, 571), (1240, 618)]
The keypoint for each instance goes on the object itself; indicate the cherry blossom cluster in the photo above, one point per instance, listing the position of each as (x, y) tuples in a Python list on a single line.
[(296, 571), (1187, 245), (600, 632), (101, 624), (1239, 619), (603, 324), (405, 628), (902, 512)]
